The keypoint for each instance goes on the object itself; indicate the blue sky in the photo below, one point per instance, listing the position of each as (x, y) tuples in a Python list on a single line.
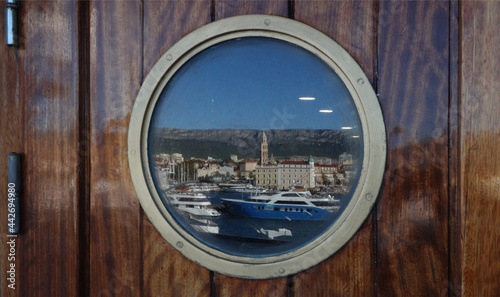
[(254, 83)]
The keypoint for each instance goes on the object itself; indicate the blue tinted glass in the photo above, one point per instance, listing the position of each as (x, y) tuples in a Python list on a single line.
[(255, 146)]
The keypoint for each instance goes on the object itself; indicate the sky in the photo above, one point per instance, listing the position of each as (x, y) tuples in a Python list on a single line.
[(255, 83)]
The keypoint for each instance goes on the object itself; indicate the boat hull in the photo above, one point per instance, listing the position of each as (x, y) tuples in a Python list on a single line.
[(275, 211)]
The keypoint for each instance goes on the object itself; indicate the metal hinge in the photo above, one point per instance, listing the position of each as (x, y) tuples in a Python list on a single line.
[(11, 34)]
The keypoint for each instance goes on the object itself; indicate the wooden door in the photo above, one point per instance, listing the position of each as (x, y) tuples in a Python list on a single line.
[(66, 97)]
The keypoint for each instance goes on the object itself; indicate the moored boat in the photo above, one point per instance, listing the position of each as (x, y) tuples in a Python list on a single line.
[(284, 205), (192, 203)]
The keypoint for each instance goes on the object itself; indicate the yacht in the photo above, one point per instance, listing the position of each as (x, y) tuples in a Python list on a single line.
[(196, 204), (284, 205)]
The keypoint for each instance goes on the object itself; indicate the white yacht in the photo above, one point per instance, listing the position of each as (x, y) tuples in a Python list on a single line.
[(196, 204)]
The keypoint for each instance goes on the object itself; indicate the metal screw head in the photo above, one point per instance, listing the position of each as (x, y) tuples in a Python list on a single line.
[(132, 152), (361, 81), (369, 196), (267, 22), (281, 270), (169, 57), (179, 244)]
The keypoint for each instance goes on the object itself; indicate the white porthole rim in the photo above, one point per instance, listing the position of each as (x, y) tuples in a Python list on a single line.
[(373, 133)]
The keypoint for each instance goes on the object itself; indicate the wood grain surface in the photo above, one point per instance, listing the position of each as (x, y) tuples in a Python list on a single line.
[(412, 211), (166, 271), (351, 271), (65, 100), (10, 132), (480, 143), (115, 77), (226, 9), (48, 246), (455, 204)]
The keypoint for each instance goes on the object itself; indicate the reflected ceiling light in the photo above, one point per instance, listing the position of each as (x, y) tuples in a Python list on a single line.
[(346, 128), (307, 98), (326, 110), (355, 136)]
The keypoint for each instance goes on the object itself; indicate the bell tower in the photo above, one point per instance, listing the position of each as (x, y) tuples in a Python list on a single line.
[(264, 152)]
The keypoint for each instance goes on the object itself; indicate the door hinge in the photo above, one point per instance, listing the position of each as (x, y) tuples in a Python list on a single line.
[(11, 13)]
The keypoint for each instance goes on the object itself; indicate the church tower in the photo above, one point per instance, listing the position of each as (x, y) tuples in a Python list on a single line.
[(264, 152)]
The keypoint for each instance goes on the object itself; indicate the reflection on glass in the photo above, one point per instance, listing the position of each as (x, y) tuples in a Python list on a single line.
[(249, 148)]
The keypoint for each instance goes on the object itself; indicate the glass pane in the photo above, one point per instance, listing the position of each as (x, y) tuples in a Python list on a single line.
[(255, 146)]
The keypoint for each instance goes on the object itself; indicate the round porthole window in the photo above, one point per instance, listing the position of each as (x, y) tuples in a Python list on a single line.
[(257, 146)]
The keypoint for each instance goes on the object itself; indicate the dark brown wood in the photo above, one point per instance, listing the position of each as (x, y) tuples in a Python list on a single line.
[(10, 120), (480, 143), (225, 9), (412, 218), (350, 272), (455, 205), (166, 271), (224, 285), (48, 247), (349, 23), (434, 231), (229, 286), (115, 77)]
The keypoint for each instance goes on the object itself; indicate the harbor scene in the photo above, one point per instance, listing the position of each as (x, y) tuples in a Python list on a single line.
[(260, 168), (206, 216), (262, 204)]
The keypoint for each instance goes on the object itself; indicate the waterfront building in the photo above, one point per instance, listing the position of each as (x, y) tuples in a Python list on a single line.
[(266, 176), (226, 170), (176, 158), (325, 174), (207, 169), (286, 175), (345, 159), (247, 167)]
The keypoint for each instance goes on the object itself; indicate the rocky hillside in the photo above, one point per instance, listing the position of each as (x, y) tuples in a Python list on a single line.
[(221, 143)]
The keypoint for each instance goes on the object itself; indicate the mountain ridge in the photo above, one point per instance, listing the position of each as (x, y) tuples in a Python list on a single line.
[(221, 143)]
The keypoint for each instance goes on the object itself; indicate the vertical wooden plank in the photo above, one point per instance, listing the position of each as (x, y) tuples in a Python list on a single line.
[(350, 272), (10, 130), (115, 76), (166, 271), (48, 247), (455, 206), (412, 218), (225, 9), (224, 285), (480, 143)]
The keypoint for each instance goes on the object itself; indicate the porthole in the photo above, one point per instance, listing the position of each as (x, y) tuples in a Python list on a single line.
[(232, 102)]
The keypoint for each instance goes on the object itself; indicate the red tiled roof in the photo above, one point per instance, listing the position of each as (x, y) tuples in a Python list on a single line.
[(294, 162)]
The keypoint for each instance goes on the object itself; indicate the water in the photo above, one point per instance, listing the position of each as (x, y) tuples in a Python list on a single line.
[(244, 236)]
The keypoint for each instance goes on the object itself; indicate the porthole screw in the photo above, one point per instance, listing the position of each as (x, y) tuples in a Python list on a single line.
[(179, 244), (267, 22), (361, 81)]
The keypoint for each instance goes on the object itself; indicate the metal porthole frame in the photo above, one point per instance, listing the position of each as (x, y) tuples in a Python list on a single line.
[(373, 130)]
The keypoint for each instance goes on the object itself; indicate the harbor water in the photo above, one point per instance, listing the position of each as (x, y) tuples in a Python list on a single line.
[(256, 237)]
